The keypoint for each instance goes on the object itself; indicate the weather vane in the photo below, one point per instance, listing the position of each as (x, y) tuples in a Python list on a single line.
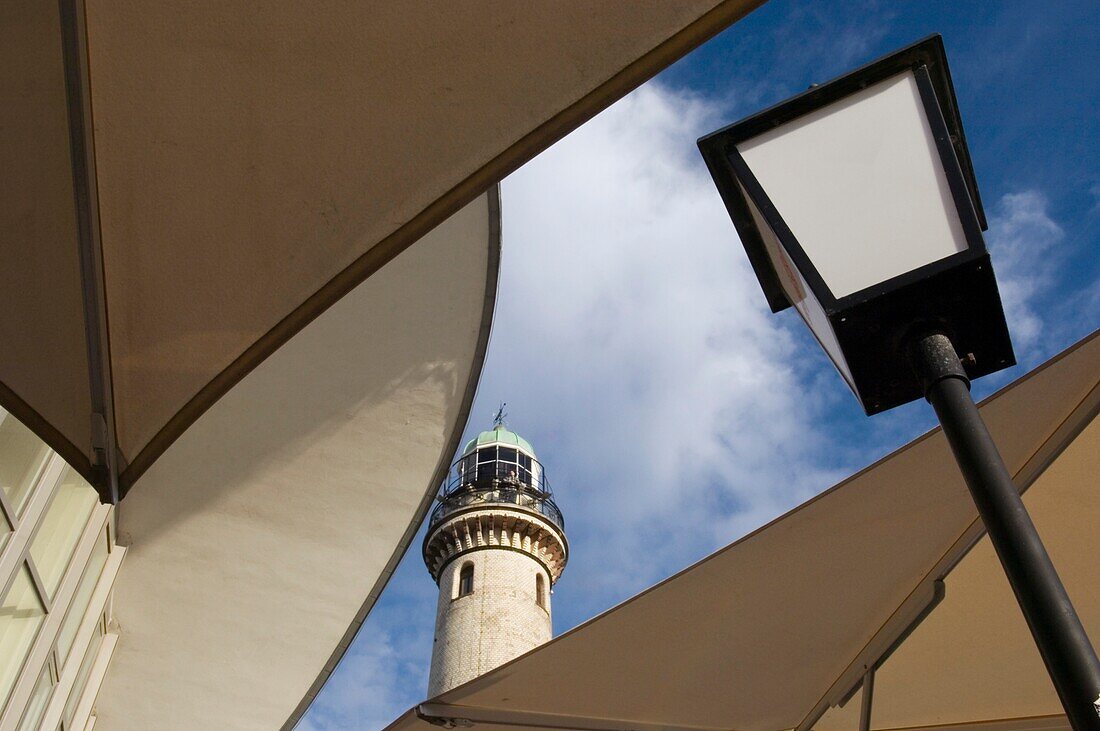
[(498, 420)]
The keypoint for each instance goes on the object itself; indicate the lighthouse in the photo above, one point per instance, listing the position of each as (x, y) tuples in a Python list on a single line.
[(495, 546)]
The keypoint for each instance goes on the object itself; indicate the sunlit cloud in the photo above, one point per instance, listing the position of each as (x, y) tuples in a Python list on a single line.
[(634, 347), (1023, 242)]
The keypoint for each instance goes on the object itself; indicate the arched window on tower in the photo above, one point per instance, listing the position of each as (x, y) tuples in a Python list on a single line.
[(466, 580), (540, 591)]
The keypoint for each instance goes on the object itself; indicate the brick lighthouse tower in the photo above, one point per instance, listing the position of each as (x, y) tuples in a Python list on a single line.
[(495, 546)]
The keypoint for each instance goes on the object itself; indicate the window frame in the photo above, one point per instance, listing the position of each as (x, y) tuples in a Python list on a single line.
[(43, 649), (540, 590), (462, 587), (68, 562), (16, 514), (14, 559), (18, 546)]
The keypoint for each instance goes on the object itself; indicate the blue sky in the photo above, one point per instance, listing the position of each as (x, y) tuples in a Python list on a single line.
[(632, 344)]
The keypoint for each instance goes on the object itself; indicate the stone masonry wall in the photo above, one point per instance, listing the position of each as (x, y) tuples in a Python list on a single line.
[(499, 621)]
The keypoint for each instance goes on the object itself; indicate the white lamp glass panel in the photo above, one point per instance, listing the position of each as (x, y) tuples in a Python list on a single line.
[(861, 186), (21, 614), (40, 697), (21, 456), (61, 528), (81, 599), (800, 295)]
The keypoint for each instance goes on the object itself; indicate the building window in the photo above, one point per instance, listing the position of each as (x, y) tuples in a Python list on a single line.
[(524, 468), (22, 456), (61, 527), (21, 614), (55, 544), (40, 696), (540, 591), (466, 580)]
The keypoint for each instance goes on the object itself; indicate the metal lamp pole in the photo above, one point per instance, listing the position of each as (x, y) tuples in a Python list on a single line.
[(1069, 656), (935, 272)]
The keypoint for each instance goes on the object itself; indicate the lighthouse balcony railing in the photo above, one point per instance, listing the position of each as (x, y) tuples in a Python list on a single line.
[(492, 486)]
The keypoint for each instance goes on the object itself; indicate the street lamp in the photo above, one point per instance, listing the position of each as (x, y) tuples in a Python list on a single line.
[(856, 203)]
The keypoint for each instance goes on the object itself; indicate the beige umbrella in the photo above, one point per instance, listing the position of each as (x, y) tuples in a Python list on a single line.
[(187, 184), (777, 630), (250, 256), (262, 537)]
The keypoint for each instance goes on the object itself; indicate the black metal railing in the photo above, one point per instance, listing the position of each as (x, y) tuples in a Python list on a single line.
[(529, 476), (499, 483)]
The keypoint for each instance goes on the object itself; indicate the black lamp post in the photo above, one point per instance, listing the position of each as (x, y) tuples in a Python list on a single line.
[(857, 204)]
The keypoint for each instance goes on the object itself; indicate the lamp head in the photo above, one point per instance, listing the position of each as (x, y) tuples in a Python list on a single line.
[(856, 202)]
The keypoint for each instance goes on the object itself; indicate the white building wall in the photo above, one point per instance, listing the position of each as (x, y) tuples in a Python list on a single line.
[(499, 621)]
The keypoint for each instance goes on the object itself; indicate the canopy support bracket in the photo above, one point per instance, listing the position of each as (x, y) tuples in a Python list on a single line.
[(896, 629), (104, 447), (868, 699), (448, 716)]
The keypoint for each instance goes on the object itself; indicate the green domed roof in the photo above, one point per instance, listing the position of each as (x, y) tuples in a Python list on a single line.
[(498, 435)]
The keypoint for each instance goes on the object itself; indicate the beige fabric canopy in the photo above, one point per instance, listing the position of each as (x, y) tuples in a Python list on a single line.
[(262, 537), (205, 206), (777, 629), (187, 184)]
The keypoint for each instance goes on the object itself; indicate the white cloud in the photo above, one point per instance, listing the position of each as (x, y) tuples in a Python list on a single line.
[(632, 342), (633, 345), (1022, 240), (381, 677), (361, 694)]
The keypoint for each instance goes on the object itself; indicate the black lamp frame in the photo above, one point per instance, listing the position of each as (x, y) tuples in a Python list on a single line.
[(900, 340), (956, 295)]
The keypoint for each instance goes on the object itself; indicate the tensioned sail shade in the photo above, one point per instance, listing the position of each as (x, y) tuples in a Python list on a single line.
[(229, 171), (263, 536), (777, 629)]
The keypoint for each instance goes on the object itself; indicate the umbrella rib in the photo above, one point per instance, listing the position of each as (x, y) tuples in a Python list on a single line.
[(446, 715), (872, 656), (105, 456)]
